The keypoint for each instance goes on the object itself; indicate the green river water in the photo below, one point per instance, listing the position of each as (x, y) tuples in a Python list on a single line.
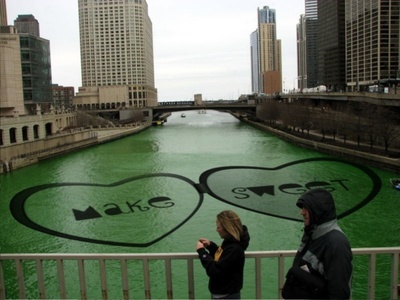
[(159, 191)]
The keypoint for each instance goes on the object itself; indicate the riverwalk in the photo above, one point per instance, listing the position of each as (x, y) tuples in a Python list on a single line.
[(310, 141), (20, 155), (105, 135)]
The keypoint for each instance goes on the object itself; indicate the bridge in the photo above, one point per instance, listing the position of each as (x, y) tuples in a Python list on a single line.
[(217, 105), (248, 105), (164, 108), (391, 100)]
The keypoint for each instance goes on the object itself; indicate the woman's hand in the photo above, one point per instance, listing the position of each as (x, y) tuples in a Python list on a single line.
[(199, 245), (205, 242)]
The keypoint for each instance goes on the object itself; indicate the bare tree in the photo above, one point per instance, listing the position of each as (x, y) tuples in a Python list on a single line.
[(84, 119), (356, 124), (387, 127), (370, 116), (288, 116), (343, 125), (269, 111)]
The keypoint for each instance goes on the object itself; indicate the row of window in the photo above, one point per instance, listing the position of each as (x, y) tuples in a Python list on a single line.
[(24, 131)]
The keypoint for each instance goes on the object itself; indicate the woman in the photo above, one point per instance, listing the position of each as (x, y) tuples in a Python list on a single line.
[(224, 264)]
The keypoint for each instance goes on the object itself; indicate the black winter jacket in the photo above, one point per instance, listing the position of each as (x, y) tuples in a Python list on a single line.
[(324, 248), (226, 274)]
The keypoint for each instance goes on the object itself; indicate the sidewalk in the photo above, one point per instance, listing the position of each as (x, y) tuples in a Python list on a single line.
[(349, 151)]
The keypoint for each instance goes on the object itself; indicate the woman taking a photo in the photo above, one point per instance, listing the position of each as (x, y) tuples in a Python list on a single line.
[(224, 264)]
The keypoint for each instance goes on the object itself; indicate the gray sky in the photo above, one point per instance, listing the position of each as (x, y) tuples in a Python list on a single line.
[(200, 47)]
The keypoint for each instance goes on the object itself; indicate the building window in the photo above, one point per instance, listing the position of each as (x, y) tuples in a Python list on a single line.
[(25, 133), (13, 135)]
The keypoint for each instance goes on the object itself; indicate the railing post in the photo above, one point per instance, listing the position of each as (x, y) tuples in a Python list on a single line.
[(2, 285), (146, 274), (82, 279), (124, 274), (371, 276), (103, 279), (191, 278), (20, 276), (258, 277), (395, 286), (61, 279), (40, 278), (168, 279), (281, 275)]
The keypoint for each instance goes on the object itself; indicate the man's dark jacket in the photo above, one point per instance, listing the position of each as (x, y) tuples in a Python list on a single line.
[(325, 249)]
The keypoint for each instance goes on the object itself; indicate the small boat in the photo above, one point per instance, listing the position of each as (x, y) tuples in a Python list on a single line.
[(395, 182), (183, 115)]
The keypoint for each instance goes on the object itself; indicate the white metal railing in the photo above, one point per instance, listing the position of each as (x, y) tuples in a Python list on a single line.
[(18, 263)]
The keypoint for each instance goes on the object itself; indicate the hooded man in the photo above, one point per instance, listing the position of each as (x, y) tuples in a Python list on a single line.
[(322, 267)]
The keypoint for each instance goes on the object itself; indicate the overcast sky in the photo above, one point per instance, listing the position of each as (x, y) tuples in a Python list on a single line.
[(200, 47)]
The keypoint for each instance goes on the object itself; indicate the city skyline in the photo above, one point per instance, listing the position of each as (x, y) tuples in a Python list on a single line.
[(198, 47)]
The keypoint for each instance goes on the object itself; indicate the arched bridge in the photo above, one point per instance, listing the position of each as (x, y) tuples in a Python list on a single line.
[(233, 106)]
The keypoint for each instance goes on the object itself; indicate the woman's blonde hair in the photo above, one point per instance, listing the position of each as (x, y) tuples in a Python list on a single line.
[(231, 223)]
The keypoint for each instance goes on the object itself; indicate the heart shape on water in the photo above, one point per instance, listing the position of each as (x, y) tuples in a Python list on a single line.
[(274, 191), (137, 212)]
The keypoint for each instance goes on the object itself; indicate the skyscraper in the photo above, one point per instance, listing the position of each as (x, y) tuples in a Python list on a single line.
[(27, 24), (25, 69), (311, 9), (372, 42), (301, 53), (35, 63), (117, 62), (255, 62), (36, 71), (266, 52), (3, 13), (331, 44)]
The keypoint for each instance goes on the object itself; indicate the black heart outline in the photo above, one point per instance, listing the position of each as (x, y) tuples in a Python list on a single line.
[(374, 177), (18, 202)]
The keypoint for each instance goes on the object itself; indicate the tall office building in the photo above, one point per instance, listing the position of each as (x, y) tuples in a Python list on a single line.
[(36, 71), (311, 13), (255, 62), (3, 13), (331, 44), (25, 69), (35, 63), (266, 52), (301, 53), (117, 62), (27, 24), (372, 42)]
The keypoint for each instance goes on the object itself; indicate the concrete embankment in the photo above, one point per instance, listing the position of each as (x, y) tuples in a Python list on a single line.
[(21, 155), (111, 134), (382, 162)]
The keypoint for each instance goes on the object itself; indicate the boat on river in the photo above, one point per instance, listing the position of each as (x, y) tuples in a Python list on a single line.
[(183, 115), (395, 182)]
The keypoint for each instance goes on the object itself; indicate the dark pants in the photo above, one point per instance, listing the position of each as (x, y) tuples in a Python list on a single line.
[(228, 296)]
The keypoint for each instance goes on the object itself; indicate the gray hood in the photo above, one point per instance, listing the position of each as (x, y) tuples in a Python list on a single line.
[(319, 202)]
